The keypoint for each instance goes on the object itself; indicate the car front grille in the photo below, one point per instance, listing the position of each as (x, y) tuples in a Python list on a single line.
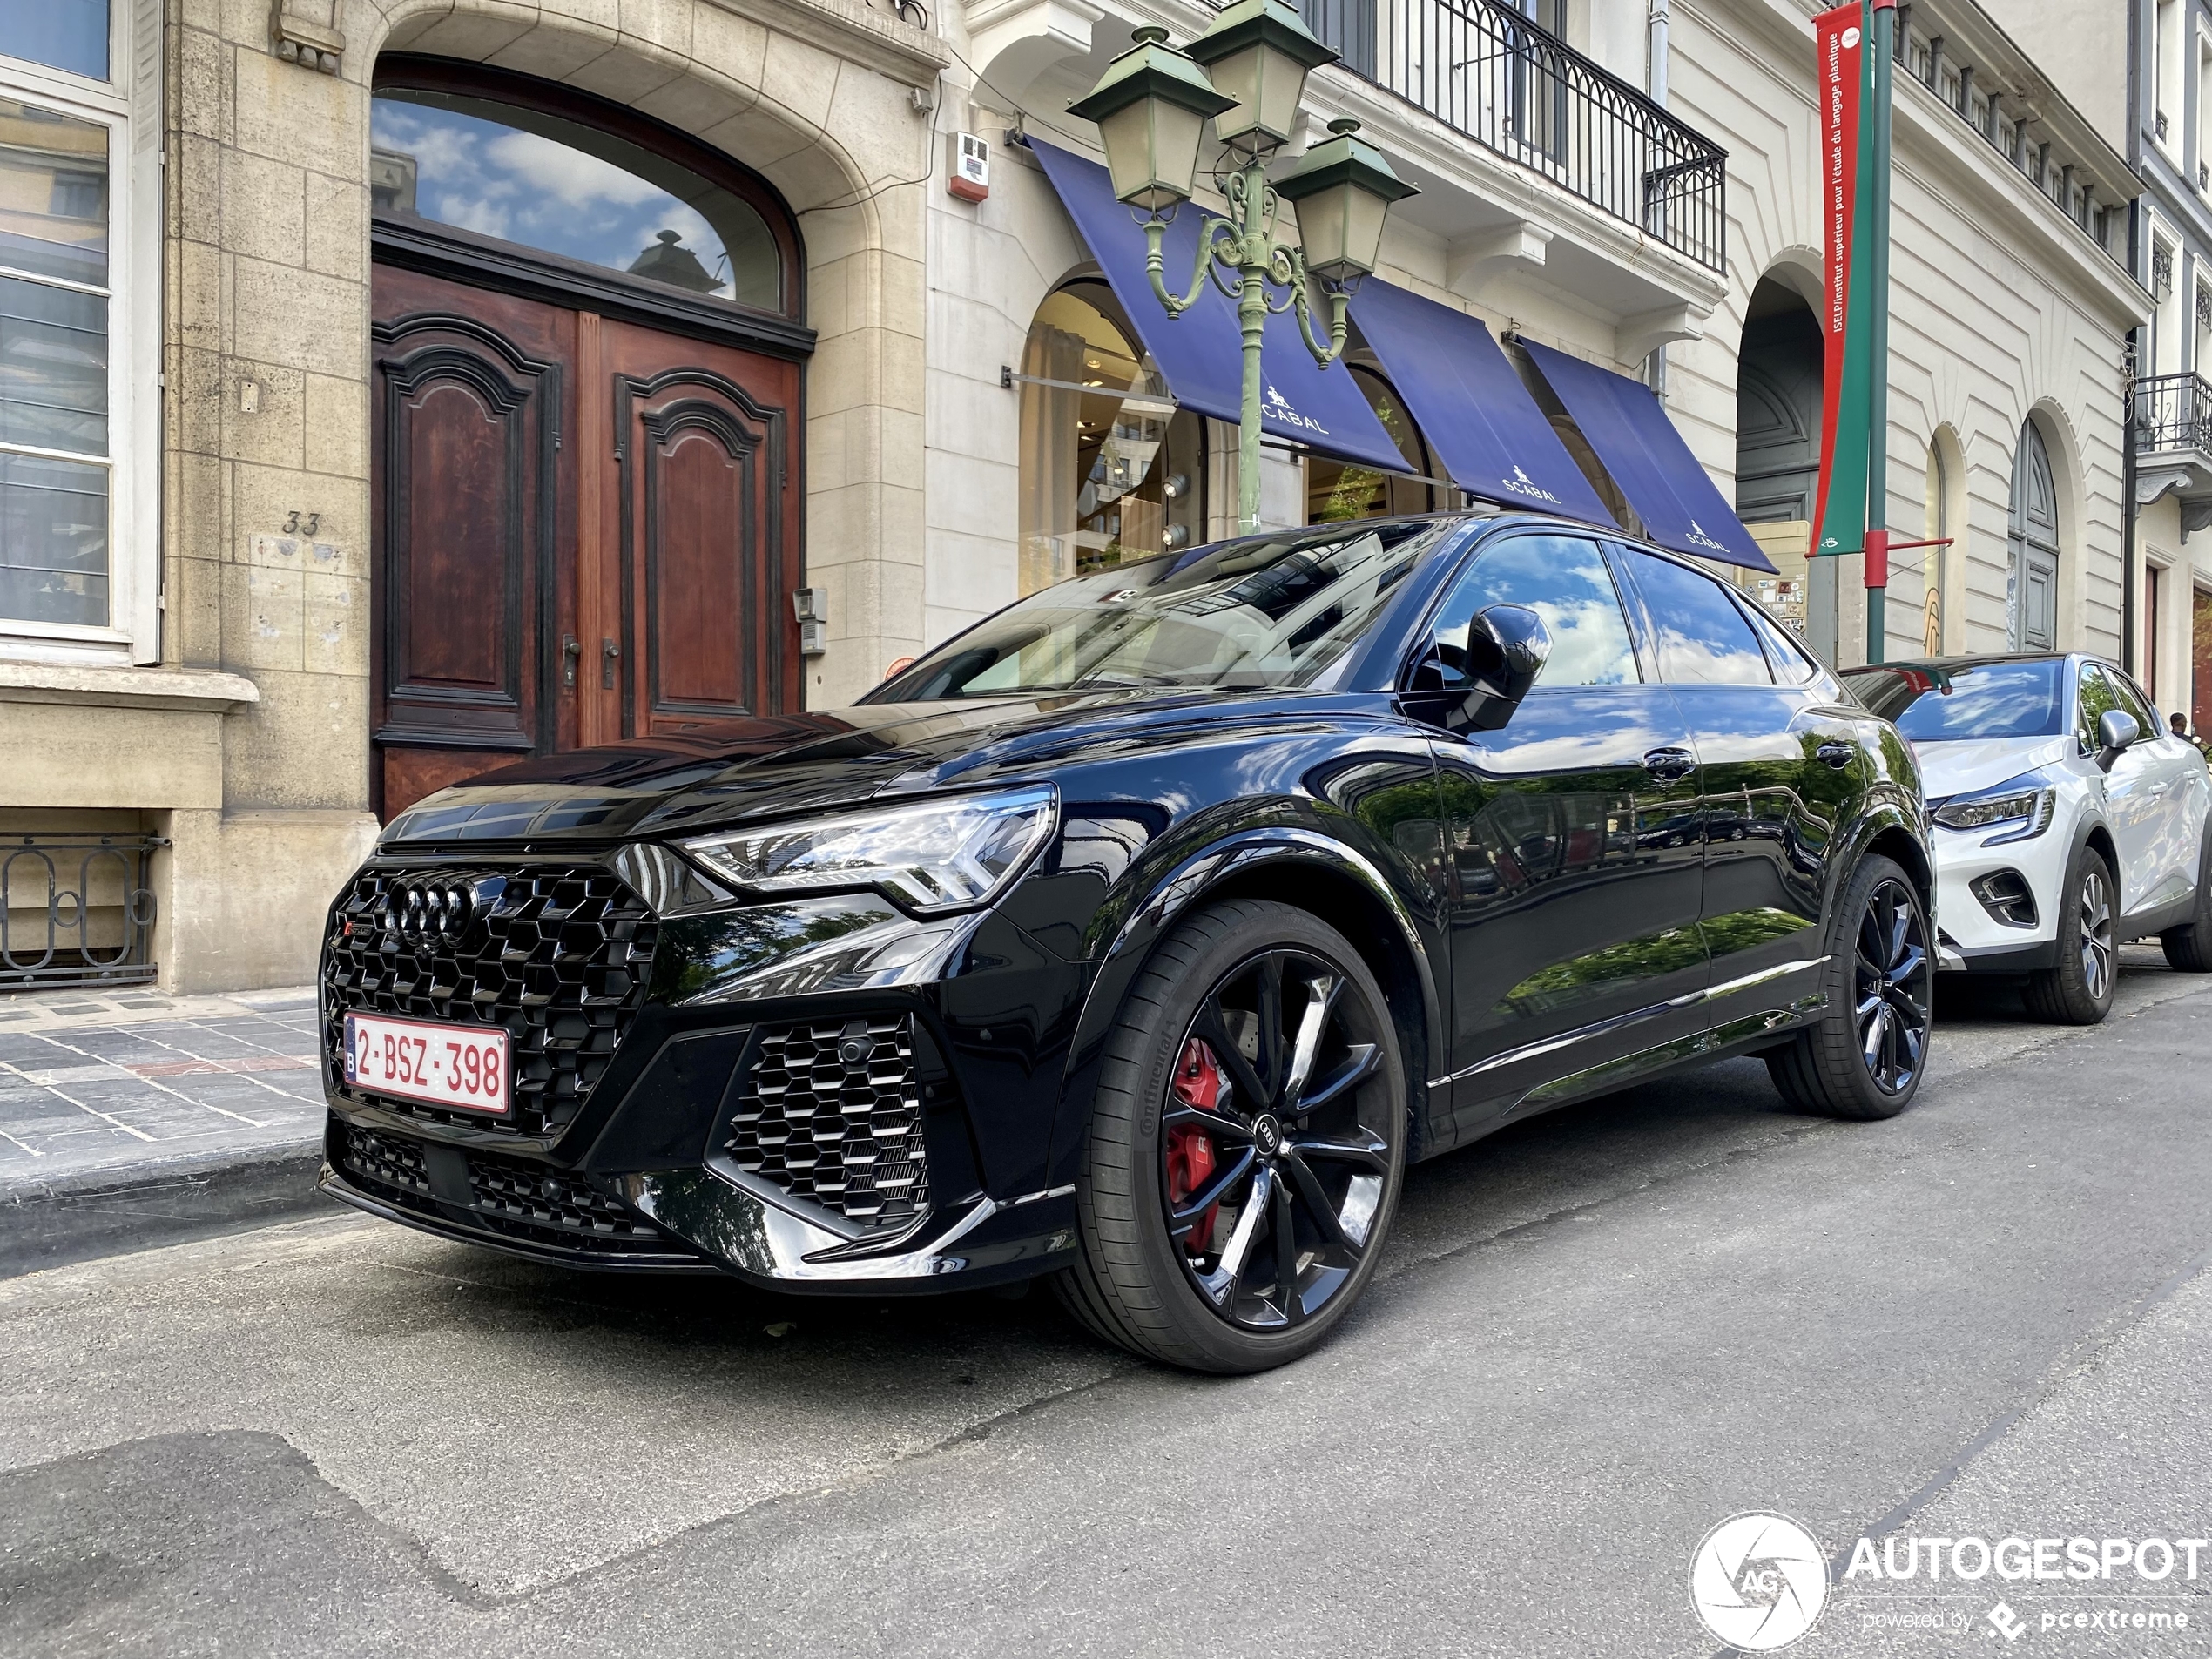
[(532, 1202), (557, 956), (832, 1113)]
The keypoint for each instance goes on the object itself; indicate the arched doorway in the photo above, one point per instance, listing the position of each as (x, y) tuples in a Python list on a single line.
[(587, 344), (1777, 408), (2031, 578), (1778, 453)]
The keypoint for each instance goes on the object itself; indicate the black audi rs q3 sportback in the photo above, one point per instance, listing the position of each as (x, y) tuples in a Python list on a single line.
[(1140, 936)]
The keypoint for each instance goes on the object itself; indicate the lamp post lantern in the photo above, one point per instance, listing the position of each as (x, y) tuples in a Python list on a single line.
[(1151, 106)]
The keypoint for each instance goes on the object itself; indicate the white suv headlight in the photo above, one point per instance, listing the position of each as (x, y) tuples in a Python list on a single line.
[(949, 853), (2026, 812)]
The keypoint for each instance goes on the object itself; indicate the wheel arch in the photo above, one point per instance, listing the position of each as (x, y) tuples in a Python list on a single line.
[(1369, 924), (1895, 843), (1295, 867), (2097, 835)]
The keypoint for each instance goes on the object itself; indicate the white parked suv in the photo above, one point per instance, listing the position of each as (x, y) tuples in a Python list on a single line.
[(2068, 820)]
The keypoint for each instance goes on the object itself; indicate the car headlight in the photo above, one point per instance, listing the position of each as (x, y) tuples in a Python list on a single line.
[(2026, 812), (947, 853)]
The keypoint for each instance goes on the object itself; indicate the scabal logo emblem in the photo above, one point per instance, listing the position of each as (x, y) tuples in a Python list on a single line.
[(1522, 484), (1758, 1582), (1283, 412), (1697, 535)]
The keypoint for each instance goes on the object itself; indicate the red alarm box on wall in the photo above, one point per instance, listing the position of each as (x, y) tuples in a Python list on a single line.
[(967, 170)]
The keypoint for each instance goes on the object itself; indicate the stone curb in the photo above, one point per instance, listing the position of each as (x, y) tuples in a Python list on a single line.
[(107, 1212)]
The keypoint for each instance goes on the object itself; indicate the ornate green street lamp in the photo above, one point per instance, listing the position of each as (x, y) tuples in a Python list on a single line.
[(1151, 106)]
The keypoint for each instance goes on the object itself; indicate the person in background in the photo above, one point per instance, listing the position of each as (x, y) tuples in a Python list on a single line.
[(2180, 722)]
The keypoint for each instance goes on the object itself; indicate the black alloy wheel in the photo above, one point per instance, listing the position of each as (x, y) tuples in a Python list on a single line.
[(1892, 987), (1864, 1055), (1247, 1145), (1269, 1180)]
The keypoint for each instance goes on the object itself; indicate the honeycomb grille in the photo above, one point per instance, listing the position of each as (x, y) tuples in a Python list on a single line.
[(832, 1112), (521, 1200), (558, 956), (387, 1158), (545, 1197)]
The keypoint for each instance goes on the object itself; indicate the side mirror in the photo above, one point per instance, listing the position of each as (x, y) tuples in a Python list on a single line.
[(1478, 689), (2117, 732)]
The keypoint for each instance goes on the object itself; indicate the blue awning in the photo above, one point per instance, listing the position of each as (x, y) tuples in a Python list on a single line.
[(1631, 435), (1201, 352), (1487, 431)]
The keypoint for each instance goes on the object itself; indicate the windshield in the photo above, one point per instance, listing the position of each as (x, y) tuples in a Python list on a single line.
[(1931, 702), (1272, 612)]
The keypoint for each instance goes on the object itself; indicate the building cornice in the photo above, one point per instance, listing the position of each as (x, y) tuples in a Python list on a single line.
[(1933, 130), (852, 30)]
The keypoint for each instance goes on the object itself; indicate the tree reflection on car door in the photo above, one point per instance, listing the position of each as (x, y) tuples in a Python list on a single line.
[(1573, 844)]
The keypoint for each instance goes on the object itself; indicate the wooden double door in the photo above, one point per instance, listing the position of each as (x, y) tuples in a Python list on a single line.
[(583, 530)]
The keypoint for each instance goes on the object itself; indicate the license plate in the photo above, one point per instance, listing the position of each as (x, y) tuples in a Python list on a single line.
[(463, 1067)]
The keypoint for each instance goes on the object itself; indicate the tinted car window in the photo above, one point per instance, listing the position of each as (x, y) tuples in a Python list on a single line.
[(1267, 611), (1564, 580), (1703, 638), (2097, 697), (1931, 703), (1785, 655), (2131, 699)]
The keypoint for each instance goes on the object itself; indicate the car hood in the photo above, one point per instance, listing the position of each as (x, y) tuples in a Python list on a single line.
[(779, 766), (1962, 766)]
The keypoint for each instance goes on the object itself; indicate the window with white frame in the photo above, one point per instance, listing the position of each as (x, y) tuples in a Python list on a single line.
[(2201, 164), (2166, 96), (79, 319), (2165, 320)]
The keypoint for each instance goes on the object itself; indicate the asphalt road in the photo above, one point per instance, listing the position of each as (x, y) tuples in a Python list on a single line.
[(1598, 1334)]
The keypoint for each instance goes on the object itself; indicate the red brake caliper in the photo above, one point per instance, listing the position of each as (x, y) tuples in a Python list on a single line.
[(1199, 1083)]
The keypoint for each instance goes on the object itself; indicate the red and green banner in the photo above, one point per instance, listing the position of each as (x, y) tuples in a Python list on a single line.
[(1847, 162)]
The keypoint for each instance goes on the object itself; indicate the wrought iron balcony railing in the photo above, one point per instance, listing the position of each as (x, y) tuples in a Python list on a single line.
[(1483, 68), (76, 910), (2173, 412)]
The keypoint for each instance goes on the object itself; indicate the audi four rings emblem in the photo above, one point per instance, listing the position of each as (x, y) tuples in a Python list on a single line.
[(424, 910)]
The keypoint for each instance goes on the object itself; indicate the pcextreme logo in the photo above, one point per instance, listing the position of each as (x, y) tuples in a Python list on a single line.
[(1758, 1582)]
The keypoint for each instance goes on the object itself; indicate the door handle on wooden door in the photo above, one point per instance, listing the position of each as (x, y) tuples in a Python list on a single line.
[(609, 652), (569, 651)]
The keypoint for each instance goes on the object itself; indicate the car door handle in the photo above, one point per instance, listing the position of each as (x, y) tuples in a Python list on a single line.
[(1838, 755), (1666, 764)]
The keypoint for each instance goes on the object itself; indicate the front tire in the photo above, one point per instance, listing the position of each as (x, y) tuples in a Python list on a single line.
[(1865, 1056), (2079, 990), (2188, 947), (1246, 1147)]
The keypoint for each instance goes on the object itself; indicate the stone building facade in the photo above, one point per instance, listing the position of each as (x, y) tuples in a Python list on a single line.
[(2169, 131), (404, 481)]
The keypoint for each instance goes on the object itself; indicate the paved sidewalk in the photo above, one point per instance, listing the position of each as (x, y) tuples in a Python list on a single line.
[(112, 1085)]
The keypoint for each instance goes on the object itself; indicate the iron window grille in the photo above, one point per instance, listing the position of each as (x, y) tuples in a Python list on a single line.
[(97, 932)]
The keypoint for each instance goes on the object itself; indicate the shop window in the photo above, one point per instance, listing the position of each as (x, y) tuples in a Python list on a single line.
[(1111, 469), (531, 177), (1341, 489), (77, 550)]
